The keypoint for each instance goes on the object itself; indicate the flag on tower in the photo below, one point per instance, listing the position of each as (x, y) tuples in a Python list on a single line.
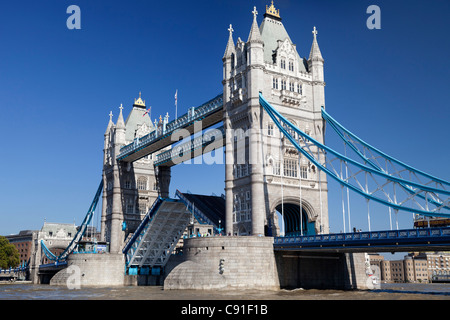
[(147, 111)]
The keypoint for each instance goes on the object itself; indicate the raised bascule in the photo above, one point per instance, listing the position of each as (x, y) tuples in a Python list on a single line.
[(270, 229)]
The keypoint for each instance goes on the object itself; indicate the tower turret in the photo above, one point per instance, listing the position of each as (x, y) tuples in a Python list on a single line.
[(315, 61), (228, 64), (255, 76)]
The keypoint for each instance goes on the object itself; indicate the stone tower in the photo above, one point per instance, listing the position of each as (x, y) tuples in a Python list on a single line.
[(129, 189), (264, 173)]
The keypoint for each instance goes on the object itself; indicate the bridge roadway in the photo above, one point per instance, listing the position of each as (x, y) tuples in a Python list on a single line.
[(431, 239), (208, 114)]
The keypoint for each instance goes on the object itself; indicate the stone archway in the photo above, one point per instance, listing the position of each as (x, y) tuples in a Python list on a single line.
[(286, 216)]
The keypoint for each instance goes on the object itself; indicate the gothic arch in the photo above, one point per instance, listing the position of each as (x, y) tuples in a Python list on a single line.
[(292, 221)]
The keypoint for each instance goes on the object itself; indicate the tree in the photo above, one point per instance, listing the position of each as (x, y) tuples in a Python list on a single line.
[(9, 256)]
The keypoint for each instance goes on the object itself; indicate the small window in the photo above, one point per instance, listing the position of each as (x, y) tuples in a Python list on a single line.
[(276, 168), (275, 83), (270, 129), (283, 64), (304, 172), (142, 184), (142, 208)]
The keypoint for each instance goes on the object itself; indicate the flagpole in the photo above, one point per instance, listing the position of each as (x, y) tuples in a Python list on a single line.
[(176, 104)]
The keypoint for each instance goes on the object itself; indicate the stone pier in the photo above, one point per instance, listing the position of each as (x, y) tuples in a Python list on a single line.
[(91, 270), (226, 263), (251, 263)]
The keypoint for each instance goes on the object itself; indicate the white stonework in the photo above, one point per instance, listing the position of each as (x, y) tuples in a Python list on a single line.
[(129, 188), (262, 169)]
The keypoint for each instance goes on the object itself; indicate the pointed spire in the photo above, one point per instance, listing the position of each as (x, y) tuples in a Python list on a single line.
[(230, 45), (315, 53), (120, 123), (254, 35), (110, 123)]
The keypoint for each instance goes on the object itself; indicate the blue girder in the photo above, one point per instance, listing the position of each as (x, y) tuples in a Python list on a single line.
[(352, 141), (289, 130), (80, 233)]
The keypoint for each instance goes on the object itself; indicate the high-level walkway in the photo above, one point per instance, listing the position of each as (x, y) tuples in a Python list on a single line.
[(209, 113)]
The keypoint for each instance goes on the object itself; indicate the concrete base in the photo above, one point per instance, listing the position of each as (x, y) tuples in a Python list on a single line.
[(248, 263), (86, 270)]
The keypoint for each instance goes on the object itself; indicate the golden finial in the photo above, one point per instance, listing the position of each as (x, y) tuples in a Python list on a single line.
[(272, 11), (139, 101)]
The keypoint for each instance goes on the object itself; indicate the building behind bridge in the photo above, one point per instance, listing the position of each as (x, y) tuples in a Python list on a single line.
[(23, 242), (416, 267)]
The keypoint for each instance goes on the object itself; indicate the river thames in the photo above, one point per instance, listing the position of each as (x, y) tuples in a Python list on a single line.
[(403, 300), (393, 291)]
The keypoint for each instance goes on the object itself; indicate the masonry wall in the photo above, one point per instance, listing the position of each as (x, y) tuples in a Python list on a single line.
[(248, 263), (92, 270)]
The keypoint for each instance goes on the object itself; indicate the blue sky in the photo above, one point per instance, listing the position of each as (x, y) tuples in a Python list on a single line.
[(57, 87)]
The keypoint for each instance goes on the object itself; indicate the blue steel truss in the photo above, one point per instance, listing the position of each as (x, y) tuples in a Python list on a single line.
[(391, 240), (368, 180), (387, 164), (80, 233)]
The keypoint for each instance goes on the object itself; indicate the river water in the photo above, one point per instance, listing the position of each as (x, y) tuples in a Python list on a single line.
[(397, 291), (147, 302)]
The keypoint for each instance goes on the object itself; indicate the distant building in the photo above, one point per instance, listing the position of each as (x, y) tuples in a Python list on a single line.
[(397, 271), (386, 275), (56, 237), (23, 242), (437, 264), (415, 267)]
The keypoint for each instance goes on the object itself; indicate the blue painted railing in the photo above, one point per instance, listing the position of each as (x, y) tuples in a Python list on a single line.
[(56, 264), (375, 238)]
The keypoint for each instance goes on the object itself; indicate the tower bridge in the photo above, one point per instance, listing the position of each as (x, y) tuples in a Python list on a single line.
[(273, 116)]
